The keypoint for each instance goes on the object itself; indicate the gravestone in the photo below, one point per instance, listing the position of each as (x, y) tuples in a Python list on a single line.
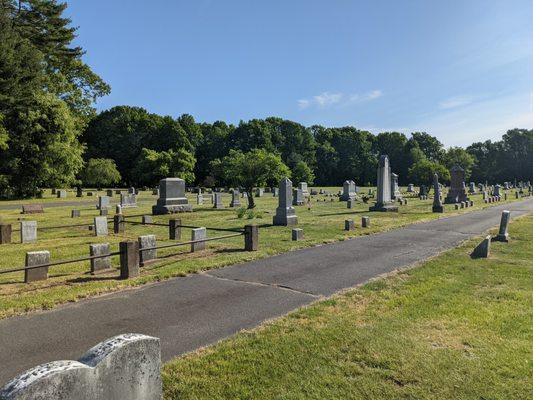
[(103, 202), (348, 191), (503, 234), (198, 234), (275, 192), (118, 209), (6, 231), (104, 212), (53, 191), (285, 213), (259, 192), (218, 200), (437, 202), (109, 193), (79, 192), (131, 190), (506, 185), (61, 194), (171, 197), (457, 192), (128, 200), (199, 199), (34, 258), (146, 219), (127, 366), (155, 192), (423, 192), (147, 256), (383, 199), (28, 231), (472, 188), (75, 213), (482, 250), (100, 226), (349, 225), (365, 222), (297, 234), (303, 187), (32, 209), (235, 200), (497, 190), (394, 188), (410, 188), (297, 197), (350, 204), (100, 264)]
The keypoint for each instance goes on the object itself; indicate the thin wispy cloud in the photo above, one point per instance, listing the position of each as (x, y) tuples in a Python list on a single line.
[(454, 102), (328, 99)]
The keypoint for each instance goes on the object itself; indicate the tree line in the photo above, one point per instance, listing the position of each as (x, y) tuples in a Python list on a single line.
[(51, 135)]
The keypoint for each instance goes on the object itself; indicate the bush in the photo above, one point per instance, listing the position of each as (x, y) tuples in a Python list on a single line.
[(240, 212)]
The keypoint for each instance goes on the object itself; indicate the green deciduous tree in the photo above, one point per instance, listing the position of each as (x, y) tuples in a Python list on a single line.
[(422, 171), (254, 168), (459, 156), (302, 173), (100, 172), (153, 166)]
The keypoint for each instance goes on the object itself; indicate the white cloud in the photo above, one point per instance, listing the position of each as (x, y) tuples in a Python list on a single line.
[(328, 99), (454, 102)]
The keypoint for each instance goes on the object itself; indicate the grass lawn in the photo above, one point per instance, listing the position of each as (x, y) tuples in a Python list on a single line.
[(322, 223), (452, 328)]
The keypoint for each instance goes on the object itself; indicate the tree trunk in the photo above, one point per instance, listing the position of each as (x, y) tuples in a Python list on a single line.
[(251, 203)]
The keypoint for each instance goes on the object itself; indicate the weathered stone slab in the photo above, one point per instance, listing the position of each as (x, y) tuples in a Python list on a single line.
[(285, 213), (32, 209), (298, 197), (348, 191), (103, 202), (259, 192), (128, 200), (217, 203), (457, 192), (100, 264), (198, 234), (5, 233), (503, 234), (61, 194), (28, 231), (172, 197), (75, 213), (365, 222), (437, 202), (482, 250), (34, 258), (297, 234), (235, 200), (123, 367), (104, 212), (146, 219), (100, 226), (383, 200), (147, 256), (303, 187), (349, 225)]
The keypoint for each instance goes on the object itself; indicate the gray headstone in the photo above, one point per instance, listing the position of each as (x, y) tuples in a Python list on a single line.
[(103, 202), (100, 264), (497, 190), (100, 226), (410, 188), (104, 212), (75, 213), (437, 202), (259, 192), (198, 234), (128, 200), (199, 199), (503, 234), (118, 209), (303, 187), (235, 200), (365, 222), (218, 200), (172, 197), (383, 199), (145, 242), (349, 225), (34, 258), (123, 367), (285, 213), (482, 250), (146, 219), (297, 197), (457, 192), (297, 234), (394, 188), (109, 193), (61, 194), (28, 231), (348, 191)]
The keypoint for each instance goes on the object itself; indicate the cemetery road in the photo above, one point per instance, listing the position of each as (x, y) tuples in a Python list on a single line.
[(198, 310)]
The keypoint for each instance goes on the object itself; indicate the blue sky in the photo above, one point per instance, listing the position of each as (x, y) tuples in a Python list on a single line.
[(460, 70)]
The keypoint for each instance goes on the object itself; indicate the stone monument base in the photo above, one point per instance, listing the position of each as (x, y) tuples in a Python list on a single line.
[(384, 208), (437, 209), (282, 220), (171, 209)]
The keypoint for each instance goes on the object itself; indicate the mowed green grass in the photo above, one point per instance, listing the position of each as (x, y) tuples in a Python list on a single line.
[(322, 223), (452, 328)]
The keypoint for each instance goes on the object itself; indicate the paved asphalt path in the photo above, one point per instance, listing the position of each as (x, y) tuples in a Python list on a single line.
[(200, 309)]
